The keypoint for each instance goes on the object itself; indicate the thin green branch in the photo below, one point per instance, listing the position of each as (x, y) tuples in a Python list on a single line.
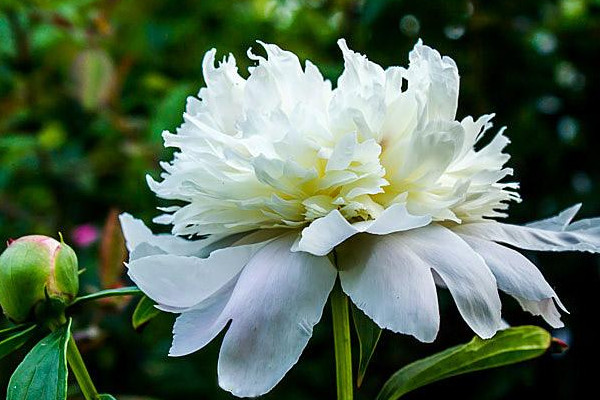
[(124, 291), (341, 340)]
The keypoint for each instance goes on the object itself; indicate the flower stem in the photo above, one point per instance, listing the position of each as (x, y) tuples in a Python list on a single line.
[(124, 291), (341, 340), (80, 371)]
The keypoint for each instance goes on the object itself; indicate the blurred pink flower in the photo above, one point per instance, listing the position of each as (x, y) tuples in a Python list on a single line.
[(85, 235)]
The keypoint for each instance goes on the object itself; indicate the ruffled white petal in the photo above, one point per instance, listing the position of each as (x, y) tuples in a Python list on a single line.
[(223, 95), (358, 103), (277, 300), (554, 234), (391, 283), (517, 276), (182, 281), (283, 149), (464, 272), (279, 82), (323, 234), (436, 80)]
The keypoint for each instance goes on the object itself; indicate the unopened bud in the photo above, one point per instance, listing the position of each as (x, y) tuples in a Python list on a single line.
[(558, 346), (34, 269)]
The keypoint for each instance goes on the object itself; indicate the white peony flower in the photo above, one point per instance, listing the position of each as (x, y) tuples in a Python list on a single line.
[(298, 183)]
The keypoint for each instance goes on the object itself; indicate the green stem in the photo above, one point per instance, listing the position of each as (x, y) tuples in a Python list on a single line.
[(124, 291), (80, 371), (341, 340)]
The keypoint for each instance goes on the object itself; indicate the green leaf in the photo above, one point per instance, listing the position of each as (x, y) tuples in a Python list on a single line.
[(105, 396), (507, 347), (144, 312), (368, 335), (43, 373), (124, 291), (14, 341)]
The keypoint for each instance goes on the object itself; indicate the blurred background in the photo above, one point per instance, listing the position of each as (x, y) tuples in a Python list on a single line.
[(87, 86)]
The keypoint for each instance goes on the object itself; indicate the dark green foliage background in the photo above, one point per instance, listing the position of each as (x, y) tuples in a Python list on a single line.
[(87, 86)]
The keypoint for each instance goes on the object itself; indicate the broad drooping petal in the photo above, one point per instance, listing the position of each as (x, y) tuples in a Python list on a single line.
[(136, 234), (517, 276), (393, 285), (554, 234), (390, 279), (184, 281), (558, 222), (197, 326), (277, 300), (272, 296)]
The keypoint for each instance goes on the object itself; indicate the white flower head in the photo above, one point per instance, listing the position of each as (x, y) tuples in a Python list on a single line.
[(280, 169), (283, 149)]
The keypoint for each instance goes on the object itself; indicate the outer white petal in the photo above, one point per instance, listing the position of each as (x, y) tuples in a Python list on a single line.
[(554, 234), (558, 222), (391, 283), (464, 272), (323, 234), (517, 276), (144, 249), (182, 281), (277, 300), (546, 308), (590, 226), (137, 233), (196, 327), (396, 218)]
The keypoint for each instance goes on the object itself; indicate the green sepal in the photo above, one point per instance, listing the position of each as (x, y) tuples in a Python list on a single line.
[(67, 272), (144, 312), (368, 336)]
